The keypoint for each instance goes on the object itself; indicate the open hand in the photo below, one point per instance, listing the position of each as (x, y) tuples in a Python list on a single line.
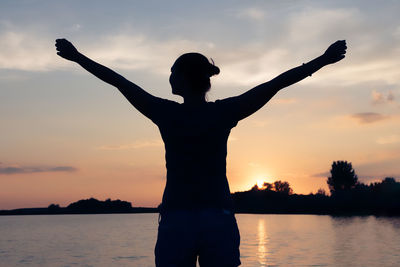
[(65, 49), (335, 52)]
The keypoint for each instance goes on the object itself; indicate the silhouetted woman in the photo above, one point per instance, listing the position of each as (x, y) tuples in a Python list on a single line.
[(197, 217)]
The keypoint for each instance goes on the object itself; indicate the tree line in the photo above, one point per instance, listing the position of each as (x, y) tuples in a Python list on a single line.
[(347, 196)]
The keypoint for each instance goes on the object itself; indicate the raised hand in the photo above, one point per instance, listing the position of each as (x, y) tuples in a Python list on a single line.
[(335, 52), (65, 49)]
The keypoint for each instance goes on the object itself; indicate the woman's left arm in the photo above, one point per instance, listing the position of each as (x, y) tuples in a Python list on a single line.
[(252, 100)]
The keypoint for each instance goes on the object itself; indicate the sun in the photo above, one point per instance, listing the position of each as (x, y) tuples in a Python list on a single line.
[(260, 183), (259, 180)]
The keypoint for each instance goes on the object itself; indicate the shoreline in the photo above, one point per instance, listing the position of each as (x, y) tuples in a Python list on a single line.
[(144, 210), (65, 211)]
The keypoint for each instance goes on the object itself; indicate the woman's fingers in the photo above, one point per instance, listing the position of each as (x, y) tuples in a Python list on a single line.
[(60, 43), (66, 49), (336, 51)]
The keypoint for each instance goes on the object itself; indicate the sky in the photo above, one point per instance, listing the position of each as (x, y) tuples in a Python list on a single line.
[(65, 135)]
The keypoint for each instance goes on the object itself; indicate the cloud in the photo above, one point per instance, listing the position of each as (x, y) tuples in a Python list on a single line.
[(381, 98), (300, 38), (377, 98), (134, 52), (390, 97), (321, 175), (6, 170), (136, 145), (368, 117), (251, 13), (26, 51), (311, 24), (34, 51), (367, 179), (391, 139), (296, 39), (372, 53), (251, 64), (362, 177)]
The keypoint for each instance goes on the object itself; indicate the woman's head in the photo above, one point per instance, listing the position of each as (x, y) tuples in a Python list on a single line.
[(191, 74)]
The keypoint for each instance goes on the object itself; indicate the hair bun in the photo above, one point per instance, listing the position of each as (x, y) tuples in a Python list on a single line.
[(214, 70)]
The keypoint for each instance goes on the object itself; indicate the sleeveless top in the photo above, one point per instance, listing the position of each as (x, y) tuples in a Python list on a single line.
[(195, 139)]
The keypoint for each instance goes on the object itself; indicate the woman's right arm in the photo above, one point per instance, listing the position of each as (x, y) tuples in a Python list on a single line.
[(139, 98)]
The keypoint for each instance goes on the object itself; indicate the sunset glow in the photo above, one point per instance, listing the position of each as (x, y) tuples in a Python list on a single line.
[(260, 183)]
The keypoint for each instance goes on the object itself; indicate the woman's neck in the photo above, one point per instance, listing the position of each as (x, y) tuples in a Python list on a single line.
[(194, 100)]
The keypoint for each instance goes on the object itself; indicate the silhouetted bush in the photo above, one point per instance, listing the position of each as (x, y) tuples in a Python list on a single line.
[(54, 208), (93, 205)]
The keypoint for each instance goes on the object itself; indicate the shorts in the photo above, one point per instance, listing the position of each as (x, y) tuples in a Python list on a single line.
[(211, 235)]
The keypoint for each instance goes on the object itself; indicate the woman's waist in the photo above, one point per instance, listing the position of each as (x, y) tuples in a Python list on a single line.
[(189, 201), (195, 170)]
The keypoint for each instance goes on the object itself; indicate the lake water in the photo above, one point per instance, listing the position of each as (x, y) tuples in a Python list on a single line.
[(266, 240)]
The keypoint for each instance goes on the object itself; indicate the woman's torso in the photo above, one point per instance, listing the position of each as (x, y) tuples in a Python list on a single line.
[(195, 139)]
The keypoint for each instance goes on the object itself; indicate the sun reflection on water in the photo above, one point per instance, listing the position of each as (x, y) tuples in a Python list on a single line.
[(262, 243)]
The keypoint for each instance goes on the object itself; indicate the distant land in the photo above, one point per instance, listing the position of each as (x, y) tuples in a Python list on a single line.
[(84, 206), (347, 196)]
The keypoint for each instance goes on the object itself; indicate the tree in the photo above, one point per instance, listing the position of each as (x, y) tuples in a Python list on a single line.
[(255, 188), (321, 192), (277, 186), (388, 187), (343, 177), (268, 186), (389, 181), (283, 187), (53, 206)]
